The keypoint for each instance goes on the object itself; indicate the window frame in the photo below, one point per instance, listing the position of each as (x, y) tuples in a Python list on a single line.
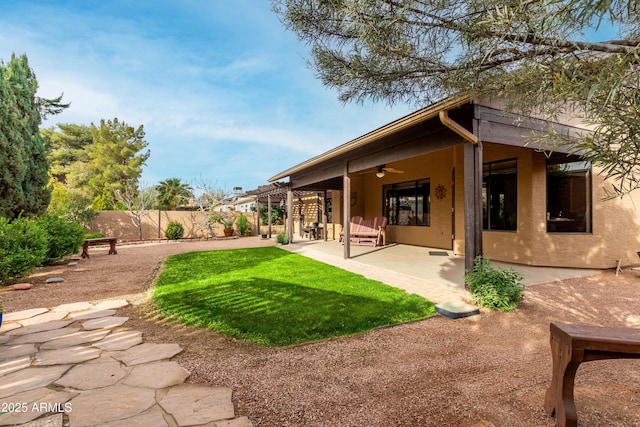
[(487, 193), (425, 219), (556, 213)]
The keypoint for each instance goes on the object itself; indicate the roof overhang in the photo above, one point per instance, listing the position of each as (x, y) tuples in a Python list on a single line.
[(386, 130)]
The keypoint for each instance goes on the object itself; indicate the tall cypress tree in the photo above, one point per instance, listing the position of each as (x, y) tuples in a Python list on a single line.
[(23, 161)]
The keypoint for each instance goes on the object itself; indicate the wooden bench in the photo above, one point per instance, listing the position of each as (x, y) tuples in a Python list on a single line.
[(574, 344), (99, 241), (367, 231)]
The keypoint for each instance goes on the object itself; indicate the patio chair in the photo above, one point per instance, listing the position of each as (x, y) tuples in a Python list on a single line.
[(355, 224)]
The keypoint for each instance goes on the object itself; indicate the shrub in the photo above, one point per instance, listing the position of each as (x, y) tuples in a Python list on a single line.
[(64, 237), (23, 246), (174, 231), (243, 226), (495, 289), (282, 238)]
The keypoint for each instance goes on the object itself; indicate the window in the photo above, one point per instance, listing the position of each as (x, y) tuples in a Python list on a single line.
[(568, 194), (407, 203), (500, 195)]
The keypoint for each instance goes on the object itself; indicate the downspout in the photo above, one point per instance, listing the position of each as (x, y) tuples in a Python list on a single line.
[(457, 128)]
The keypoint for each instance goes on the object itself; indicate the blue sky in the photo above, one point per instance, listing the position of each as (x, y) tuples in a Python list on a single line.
[(223, 91)]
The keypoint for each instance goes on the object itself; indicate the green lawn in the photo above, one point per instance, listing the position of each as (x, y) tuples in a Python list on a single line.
[(275, 297)]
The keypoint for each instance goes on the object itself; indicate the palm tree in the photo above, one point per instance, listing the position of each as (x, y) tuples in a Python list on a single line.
[(171, 192)]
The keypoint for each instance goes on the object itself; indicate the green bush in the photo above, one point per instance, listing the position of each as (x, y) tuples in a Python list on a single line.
[(23, 246), (64, 237), (282, 238), (174, 231), (495, 289), (243, 226)]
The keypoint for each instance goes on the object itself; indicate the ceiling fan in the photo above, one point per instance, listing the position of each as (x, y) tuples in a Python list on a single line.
[(382, 170)]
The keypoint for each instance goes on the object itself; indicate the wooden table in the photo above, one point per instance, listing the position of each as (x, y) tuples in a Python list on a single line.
[(99, 241), (574, 344)]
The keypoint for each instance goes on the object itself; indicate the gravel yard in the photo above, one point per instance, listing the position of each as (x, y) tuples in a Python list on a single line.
[(487, 370)]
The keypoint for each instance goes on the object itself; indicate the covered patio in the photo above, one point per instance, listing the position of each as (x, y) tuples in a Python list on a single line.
[(433, 273)]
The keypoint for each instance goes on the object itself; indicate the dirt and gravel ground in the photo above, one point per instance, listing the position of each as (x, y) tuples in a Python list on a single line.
[(488, 370)]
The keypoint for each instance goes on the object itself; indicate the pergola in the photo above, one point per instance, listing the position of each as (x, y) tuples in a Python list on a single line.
[(281, 192)]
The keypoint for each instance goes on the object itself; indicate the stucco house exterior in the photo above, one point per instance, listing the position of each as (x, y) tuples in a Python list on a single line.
[(464, 176)]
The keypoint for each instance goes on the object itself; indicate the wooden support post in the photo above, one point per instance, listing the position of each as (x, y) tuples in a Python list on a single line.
[(324, 215), (346, 205), (289, 211), (269, 213)]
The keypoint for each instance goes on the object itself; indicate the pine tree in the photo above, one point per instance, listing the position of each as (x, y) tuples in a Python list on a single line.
[(115, 159), (23, 161)]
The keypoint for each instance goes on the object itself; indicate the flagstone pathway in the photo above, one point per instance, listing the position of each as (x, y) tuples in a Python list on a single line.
[(75, 365)]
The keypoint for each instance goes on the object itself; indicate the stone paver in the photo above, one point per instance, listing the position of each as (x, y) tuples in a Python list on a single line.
[(41, 327), (77, 354), (44, 336), (46, 317), (24, 314), (97, 374), (74, 338), (94, 375), (6, 327), (32, 404), (198, 404), (111, 304), (12, 351), (30, 378), (104, 322), (122, 340), (12, 365), (147, 352), (157, 375), (92, 314), (74, 306), (98, 407), (150, 419)]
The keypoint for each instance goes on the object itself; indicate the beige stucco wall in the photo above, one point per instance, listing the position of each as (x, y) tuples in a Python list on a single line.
[(118, 224), (615, 223), (437, 167)]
